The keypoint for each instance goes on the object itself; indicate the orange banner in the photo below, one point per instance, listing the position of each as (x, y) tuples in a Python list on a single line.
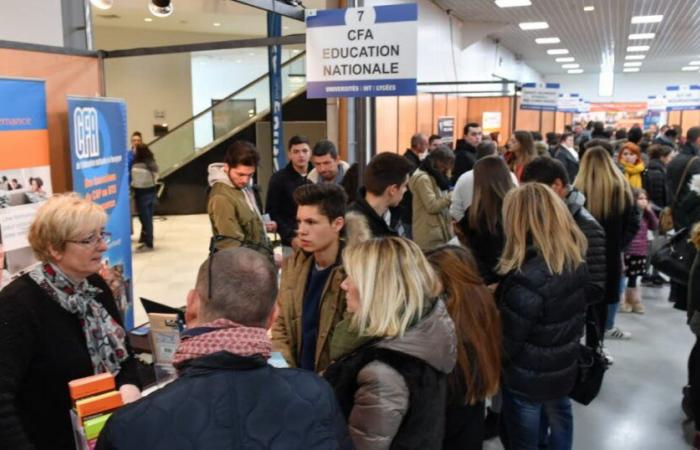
[(24, 148)]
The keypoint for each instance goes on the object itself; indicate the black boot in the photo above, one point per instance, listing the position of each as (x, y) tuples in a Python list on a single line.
[(492, 424)]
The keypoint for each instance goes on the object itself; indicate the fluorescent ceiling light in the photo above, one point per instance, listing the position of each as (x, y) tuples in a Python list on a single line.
[(647, 19), (533, 25), (633, 64), (147, 19), (565, 59), (558, 51), (217, 24), (101, 4), (570, 66), (512, 3), (589, 8), (631, 69), (694, 63), (690, 68), (641, 36), (574, 71), (606, 84), (638, 48), (549, 40), (635, 57)]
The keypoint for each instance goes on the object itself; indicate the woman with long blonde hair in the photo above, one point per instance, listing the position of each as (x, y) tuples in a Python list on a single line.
[(478, 326), (542, 300), (609, 198), (392, 389)]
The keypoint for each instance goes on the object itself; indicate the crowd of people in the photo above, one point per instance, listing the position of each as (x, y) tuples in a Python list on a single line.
[(447, 281)]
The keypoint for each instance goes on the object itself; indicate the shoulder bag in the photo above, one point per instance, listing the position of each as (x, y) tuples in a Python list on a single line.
[(666, 215), (591, 368), (675, 257)]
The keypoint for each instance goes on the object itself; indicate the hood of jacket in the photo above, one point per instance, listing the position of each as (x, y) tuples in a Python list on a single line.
[(426, 340), (575, 200), (695, 184), (217, 174)]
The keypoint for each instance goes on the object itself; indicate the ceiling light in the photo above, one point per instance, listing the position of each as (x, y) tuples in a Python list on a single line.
[(575, 71), (161, 8), (512, 3), (533, 25), (549, 40), (690, 68), (217, 24), (631, 69), (694, 63), (641, 36), (296, 50), (647, 19), (635, 57), (606, 79), (570, 66), (589, 8), (148, 19), (101, 4), (638, 48), (565, 59), (633, 64), (251, 54), (558, 51)]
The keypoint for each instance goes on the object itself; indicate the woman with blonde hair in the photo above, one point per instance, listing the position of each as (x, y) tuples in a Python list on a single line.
[(609, 198), (392, 388), (478, 327), (542, 300), (59, 323)]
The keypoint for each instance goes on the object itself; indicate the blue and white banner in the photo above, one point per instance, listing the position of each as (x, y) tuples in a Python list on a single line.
[(99, 146), (274, 29), (569, 103), (683, 98), (362, 52), (540, 96), (657, 103)]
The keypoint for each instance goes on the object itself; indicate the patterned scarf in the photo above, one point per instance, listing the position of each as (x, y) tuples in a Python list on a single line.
[(104, 336), (222, 335)]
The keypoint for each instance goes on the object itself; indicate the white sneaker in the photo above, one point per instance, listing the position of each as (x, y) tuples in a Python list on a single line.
[(617, 333), (608, 357)]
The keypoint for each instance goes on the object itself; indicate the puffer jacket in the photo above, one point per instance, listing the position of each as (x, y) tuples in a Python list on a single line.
[(393, 391), (287, 330), (432, 225), (655, 184), (225, 401), (231, 215), (595, 255), (543, 318)]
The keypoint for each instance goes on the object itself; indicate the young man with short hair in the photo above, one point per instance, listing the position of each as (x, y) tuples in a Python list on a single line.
[(310, 300), (434, 141), (328, 167), (280, 204), (465, 150), (374, 213), (232, 205)]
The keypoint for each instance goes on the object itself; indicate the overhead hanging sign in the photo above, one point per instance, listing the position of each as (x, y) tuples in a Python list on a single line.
[(656, 103), (98, 140), (683, 98), (569, 103), (362, 52), (540, 96)]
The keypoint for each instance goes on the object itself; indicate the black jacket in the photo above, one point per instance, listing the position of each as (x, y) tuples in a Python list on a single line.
[(654, 179), (377, 225), (595, 255), (406, 205), (675, 170), (620, 230), (570, 163), (486, 248), (42, 348), (280, 201), (694, 287), (465, 158), (543, 317), (224, 401)]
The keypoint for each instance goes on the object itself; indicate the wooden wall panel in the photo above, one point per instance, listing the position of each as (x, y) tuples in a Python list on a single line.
[(674, 118), (548, 122), (439, 110), (479, 105), (559, 122), (387, 125), (64, 75), (407, 121), (690, 119), (462, 112), (453, 107), (527, 119), (424, 114)]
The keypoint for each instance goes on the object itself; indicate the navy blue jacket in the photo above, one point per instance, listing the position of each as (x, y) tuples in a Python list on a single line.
[(223, 401)]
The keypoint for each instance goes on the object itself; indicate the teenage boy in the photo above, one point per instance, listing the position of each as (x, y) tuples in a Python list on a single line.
[(310, 300)]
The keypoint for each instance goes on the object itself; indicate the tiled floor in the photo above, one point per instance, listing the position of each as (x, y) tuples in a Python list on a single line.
[(638, 407)]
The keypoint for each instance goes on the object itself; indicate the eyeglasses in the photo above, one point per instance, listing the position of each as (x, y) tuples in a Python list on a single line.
[(95, 239)]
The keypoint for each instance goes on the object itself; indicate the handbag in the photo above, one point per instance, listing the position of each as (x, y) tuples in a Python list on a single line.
[(675, 257), (592, 365), (666, 215)]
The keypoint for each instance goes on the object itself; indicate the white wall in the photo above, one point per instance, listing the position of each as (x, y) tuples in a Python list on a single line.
[(629, 87), (32, 21)]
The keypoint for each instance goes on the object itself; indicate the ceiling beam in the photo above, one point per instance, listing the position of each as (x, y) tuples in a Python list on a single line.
[(276, 6)]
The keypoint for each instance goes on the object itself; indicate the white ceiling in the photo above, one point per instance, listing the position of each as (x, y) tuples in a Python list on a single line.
[(587, 35)]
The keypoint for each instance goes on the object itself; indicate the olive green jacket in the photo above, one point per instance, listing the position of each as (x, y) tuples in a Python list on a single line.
[(432, 224), (286, 331)]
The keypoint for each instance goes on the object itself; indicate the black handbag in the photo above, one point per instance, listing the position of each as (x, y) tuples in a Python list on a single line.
[(591, 368), (675, 257)]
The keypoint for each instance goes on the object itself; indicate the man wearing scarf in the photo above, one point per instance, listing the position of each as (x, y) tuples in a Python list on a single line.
[(226, 395)]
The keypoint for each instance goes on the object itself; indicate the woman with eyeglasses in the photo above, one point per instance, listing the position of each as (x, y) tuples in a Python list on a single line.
[(59, 322)]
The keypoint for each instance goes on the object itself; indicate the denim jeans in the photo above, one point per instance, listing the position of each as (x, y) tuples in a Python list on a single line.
[(612, 308), (145, 204), (532, 425)]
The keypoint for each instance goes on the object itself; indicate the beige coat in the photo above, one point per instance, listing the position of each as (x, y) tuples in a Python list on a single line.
[(432, 225)]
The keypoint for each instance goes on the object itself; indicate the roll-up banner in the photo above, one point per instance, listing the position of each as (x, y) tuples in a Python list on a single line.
[(99, 146), (25, 173)]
